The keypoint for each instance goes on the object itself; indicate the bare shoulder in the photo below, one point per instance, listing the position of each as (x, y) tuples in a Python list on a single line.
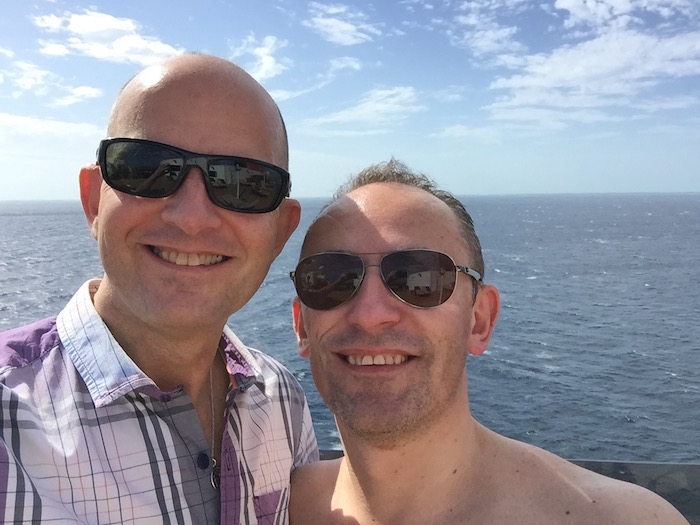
[(591, 495), (312, 490), (630, 503)]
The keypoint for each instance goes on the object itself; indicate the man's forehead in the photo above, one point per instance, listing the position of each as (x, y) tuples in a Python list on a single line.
[(378, 208), (384, 200)]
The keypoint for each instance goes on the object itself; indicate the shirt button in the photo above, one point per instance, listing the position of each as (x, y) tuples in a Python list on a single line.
[(203, 461), (165, 398)]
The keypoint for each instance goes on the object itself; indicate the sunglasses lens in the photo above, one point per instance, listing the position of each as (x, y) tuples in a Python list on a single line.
[(245, 185), (150, 169), (327, 280), (144, 169), (423, 278)]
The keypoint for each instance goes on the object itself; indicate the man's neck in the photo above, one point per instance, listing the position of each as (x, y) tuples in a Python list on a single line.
[(437, 471), (171, 354)]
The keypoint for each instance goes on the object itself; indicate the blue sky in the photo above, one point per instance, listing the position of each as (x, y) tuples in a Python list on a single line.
[(485, 96)]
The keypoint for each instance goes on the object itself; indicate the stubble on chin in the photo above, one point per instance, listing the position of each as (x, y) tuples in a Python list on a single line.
[(388, 412), (379, 411)]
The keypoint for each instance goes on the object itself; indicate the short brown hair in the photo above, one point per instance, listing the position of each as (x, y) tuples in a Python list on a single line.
[(397, 172)]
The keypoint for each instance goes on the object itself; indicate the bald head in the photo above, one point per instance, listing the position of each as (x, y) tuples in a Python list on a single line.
[(204, 104)]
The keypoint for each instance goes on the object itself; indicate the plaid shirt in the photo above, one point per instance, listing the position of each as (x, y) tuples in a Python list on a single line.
[(86, 437)]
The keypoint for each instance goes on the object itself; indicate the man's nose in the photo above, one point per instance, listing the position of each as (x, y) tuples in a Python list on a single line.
[(190, 207), (374, 306)]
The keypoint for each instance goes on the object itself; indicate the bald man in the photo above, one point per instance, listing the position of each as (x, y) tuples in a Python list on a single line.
[(137, 404)]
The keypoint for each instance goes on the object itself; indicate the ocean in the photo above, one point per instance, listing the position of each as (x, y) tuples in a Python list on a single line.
[(596, 354)]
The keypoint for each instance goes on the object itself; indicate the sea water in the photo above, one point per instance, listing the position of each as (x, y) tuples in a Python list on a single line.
[(596, 354)]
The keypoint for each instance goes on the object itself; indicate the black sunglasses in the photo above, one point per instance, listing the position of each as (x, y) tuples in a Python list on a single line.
[(421, 278), (151, 169)]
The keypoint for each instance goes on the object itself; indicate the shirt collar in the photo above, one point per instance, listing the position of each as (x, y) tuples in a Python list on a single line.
[(109, 373), (240, 362)]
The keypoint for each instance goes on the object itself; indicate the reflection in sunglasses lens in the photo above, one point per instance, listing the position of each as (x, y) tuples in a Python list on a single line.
[(422, 278), (150, 169)]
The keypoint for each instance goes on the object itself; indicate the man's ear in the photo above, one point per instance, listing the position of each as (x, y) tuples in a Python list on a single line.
[(300, 329), (90, 186), (287, 222), (484, 315)]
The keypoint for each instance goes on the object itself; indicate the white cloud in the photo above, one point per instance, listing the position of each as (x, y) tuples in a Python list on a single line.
[(376, 110), (341, 63), (280, 95), (638, 61), (667, 103), (449, 94), (54, 49), (542, 118), (614, 75), (477, 26), (78, 94), (26, 76), (593, 12), (6, 52), (341, 24), (104, 37), (600, 14), (28, 79), (91, 22), (673, 130), (336, 66), (23, 126), (266, 66), (489, 40), (411, 5)]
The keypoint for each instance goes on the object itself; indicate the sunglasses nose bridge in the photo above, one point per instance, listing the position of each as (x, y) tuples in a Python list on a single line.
[(364, 271), (195, 162), (374, 286), (197, 183)]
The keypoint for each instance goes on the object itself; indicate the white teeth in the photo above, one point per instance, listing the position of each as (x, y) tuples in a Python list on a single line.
[(377, 360), (188, 259)]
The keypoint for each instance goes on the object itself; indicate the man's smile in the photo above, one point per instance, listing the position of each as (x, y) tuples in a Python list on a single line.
[(370, 360), (188, 259)]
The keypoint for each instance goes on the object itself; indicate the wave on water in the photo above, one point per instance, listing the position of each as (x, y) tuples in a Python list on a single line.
[(596, 353)]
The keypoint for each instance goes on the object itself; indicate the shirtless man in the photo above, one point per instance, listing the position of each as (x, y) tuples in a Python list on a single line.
[(389, 360)]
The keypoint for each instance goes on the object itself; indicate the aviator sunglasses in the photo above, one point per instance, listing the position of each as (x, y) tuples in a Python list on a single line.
[(421, 278), (151, 169)]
